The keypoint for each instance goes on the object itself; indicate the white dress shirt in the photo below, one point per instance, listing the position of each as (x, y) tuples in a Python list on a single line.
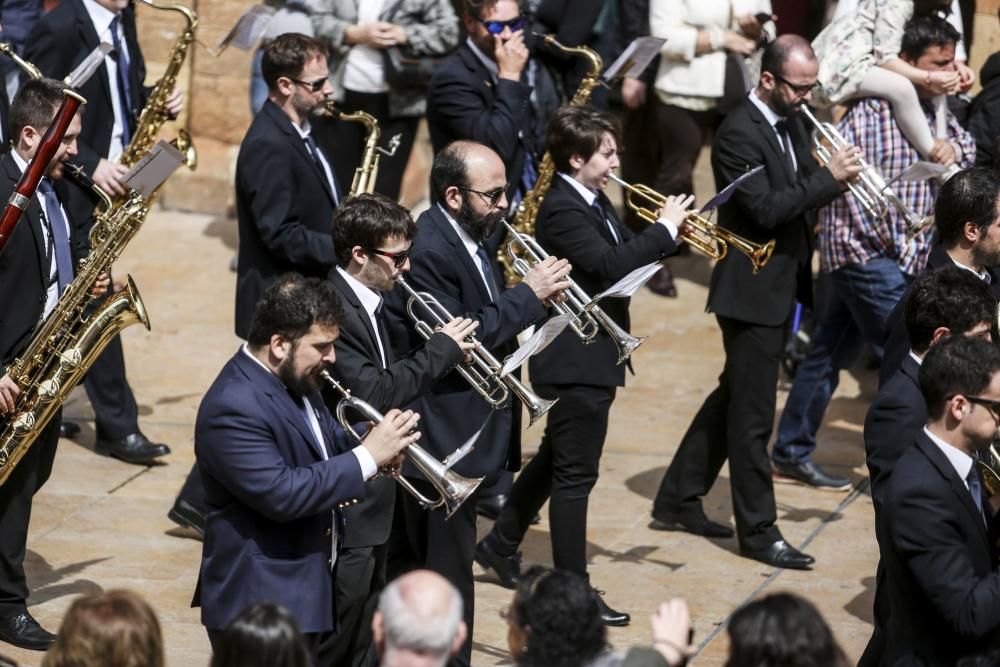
[(102, 18), (364, 68), (370, 301), (984, 276)]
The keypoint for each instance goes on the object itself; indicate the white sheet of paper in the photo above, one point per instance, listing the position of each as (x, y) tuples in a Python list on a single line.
[(465, 448), (154, 168), (635, 58), (920, 171), (631, 283), (248, 29), (538, 342)]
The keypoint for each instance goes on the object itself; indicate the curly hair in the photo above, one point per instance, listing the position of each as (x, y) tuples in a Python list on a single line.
[(559, 613)]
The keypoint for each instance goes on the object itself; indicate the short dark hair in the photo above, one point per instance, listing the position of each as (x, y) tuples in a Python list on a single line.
[(968, 196), (262, 635), (290, 306), (449, 169), (923, 32), (781, 629), (959, 365), (35, 105), (367, 220), (561, 609), (476, 8), (287, 54), (949, 297), (578, 131), (779, 51)]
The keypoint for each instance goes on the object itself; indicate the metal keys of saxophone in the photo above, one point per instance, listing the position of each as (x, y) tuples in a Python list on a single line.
[(586, 317), (452, 488), (483, 374), (367, 172), (26, 67)]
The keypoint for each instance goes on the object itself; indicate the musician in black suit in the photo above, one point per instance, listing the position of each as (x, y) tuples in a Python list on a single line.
[(449, 261), (942, 302), (939, 544), (373, 235), (285, 198), (59, 41), (576, 221), (967, 219), (37, 263), (753, 311)]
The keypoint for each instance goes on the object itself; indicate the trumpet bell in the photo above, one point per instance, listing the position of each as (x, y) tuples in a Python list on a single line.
[(538, 407), (988, 464)]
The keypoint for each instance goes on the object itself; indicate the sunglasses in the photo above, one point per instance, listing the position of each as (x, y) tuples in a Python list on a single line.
[(492, 198), (991, 405), (314, 86), (798, 89), (496, 27), (398, 258)]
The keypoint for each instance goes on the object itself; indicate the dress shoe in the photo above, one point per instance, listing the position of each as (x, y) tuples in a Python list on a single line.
[(24, 631), (780, 554), (186, 515), (489, 507), (698, 526), (609, 615), (133, 448), (662, 283), (68, 429), (507, 568), (809, 474)]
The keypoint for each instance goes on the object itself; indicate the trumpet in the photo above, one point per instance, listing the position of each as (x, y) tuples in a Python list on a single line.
[(700, 233), (484, 372), (870, 189), (452, 488), (586, 317)]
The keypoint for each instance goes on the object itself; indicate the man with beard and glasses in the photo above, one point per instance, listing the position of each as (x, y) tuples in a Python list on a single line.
[(277, 467), (372, 235), (449, 261), (754, 310), (967, 219)]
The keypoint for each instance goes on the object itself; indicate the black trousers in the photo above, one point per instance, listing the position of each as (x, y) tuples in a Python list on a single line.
[(563, 471), (193, 491), (445, 547), (116, 414), (16, 495), (345, 142), (642, 155), (684, 132), (359, 579), (734, 422)]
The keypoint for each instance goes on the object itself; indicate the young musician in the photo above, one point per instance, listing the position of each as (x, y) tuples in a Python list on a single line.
[(576, 221)]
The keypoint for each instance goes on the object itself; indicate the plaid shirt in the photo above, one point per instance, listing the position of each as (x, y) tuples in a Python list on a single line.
[(848, 235)]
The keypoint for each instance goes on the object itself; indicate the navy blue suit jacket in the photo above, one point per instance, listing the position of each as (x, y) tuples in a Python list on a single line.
[(271, 498)]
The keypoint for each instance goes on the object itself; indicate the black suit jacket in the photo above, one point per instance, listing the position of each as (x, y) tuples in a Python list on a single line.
[(896, 345), (452, 412), (569, 228), (284, 207), (24, 271), (940, 562), (774, 204), (60, 41), (463, 102), (359, 366)]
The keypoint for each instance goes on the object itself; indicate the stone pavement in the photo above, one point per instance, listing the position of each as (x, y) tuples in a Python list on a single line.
[(101, 524)]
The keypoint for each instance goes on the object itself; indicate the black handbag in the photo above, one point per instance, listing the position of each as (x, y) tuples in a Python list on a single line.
[(736, 86), (403, 69)]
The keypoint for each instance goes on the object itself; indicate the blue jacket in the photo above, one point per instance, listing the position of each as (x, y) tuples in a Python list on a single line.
[(271, 498)]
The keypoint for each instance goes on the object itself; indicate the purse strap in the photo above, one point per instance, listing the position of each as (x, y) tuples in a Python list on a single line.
[(392, 11)]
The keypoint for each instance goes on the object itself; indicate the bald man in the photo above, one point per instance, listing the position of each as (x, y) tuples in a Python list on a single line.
[(419, 621)]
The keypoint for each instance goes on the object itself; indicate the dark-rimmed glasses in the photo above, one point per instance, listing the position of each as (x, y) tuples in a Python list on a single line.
[(798, 89), (988, 403), (496, 27), (492, 198), (314, 86), (398, 258)]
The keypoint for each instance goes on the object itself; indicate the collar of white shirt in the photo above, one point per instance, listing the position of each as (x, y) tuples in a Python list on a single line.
[(305, 130), (959, 460), (100, 16), (984, 276), (768, 112), (916, 358), (370, 299), (588, 195), (467, 240), (487, 62)]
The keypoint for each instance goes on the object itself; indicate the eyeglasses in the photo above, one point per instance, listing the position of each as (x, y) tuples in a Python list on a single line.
[(492, 198), (797, 88), (314, 86), (989, 404), (398, 258), (496, 27)]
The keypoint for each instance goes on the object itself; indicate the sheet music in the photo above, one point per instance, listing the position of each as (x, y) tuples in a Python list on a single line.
[(154, 168), (634, 59), (631, 283), (538, 342)]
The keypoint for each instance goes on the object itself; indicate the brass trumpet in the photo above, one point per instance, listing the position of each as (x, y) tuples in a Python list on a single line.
[(584, 313), (700, 233), (452, 488), (484, 373)]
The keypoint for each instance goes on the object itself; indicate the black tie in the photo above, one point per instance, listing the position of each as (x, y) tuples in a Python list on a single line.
[(596, 204), (314, 153), (786, 144), (975, 488), (124, 89), (382, 332), (484, 262)]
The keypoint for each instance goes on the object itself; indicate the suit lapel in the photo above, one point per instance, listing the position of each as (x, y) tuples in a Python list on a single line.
[(446, 230), (284, 123), (764, 127), (355, 304), (958, 486), (32, 220)]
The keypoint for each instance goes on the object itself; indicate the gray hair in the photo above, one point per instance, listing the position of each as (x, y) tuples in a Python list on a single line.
[(421, 618)]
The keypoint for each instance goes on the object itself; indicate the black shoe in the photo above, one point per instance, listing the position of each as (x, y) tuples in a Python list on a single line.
[(24, 631), (609, 615), (186, 515), (68, 429), (809, 474), (134, 448), (780, 554), (699, 526), (507, 568)]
